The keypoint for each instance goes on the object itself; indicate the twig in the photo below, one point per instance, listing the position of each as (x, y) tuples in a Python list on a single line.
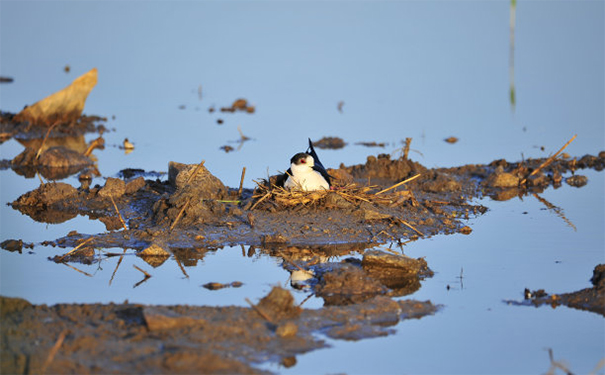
[(259, 311), (399, 184), (178, 217), (548, 161), (76, 248), (410, 226), (119, 215), (54, 350), (306, 299), (241, 183), (260, 200), (197, 169)]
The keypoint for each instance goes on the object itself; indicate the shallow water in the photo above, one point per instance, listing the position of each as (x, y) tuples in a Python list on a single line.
[(426, 70)]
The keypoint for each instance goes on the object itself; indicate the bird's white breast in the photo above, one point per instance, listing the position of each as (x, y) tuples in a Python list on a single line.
[(306, 179)]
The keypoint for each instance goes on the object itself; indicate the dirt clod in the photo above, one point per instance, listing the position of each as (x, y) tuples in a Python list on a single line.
[(279, 304), (114, 188), (576, 180)]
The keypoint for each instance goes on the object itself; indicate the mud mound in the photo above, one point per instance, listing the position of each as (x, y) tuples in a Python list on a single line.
[(194, 200), (203, 183), (46, 195), (385, 168)]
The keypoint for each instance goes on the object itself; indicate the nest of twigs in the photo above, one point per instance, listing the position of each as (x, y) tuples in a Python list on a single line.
[(270, 195)]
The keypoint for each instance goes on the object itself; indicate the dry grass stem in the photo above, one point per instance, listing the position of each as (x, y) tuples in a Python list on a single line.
[(119, 215), (399, 184), (117, 266), (144, 272), (76, 248), (53, 351), (45, 138), (549, 160), (259, 311), (410, 226), (99, 142), (241, 183), (260, 200)]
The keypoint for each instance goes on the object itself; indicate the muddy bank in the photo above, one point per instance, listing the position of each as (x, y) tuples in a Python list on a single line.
[(202, 213), (130, 338), (589, 299)]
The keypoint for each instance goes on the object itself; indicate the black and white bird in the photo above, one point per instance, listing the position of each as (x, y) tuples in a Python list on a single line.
[(306, 172)]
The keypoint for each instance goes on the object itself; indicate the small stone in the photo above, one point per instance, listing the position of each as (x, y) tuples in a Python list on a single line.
[(576, 180), (465, 230), (287, 329), (369, 215), (114, 187)]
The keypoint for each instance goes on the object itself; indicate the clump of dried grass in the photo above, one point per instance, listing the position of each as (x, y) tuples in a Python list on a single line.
[(270, 195)]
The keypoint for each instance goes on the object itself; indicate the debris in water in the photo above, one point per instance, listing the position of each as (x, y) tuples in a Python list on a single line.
[(217, 286), (127, 145), (333, 143), (64, 106), (240, 105)]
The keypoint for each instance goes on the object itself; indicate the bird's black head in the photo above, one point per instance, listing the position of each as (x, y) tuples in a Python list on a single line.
[(300, 158)]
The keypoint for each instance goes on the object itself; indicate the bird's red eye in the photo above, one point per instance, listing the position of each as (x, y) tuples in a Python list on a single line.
[(303, 161)]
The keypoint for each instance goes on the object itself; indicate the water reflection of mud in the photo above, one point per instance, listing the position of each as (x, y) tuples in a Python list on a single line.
[(54, 152)]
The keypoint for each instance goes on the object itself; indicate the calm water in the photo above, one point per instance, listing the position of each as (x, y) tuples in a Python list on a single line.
[(426, 70)]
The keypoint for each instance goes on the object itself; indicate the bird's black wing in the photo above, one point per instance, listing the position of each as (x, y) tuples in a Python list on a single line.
[(317, 165), (281, 179)]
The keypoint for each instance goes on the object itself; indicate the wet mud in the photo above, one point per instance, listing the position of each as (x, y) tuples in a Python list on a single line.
[(129, 338)]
